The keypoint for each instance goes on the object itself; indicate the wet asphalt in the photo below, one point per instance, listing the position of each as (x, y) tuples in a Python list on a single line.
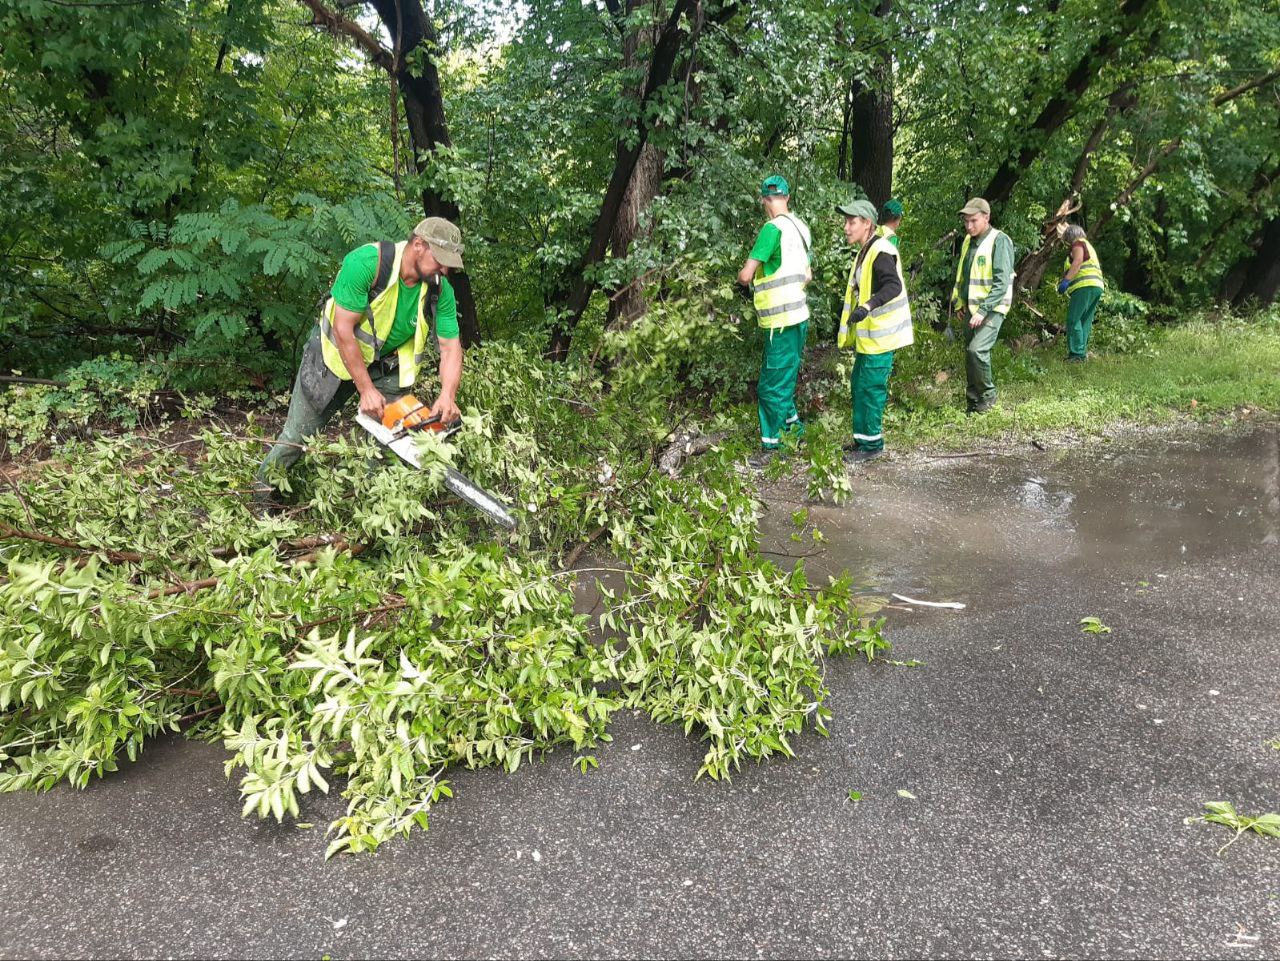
[(1052, 771)]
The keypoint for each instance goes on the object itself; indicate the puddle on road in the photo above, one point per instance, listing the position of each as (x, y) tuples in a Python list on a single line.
[(976, 529)]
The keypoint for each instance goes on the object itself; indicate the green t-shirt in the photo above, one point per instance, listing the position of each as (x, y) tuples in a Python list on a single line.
[(768, 249), (351, 291)]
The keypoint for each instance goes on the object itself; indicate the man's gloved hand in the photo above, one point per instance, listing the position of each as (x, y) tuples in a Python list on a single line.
[(859, 315), (1063, 284), (745, 292)]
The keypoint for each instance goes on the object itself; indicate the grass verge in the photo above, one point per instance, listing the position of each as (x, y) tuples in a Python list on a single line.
[(1197, 370)]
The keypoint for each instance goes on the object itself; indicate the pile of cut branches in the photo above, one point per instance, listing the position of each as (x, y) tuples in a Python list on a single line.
[(376, 633)]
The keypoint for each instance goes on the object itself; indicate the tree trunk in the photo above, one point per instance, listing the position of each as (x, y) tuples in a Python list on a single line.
[(418, 45), (627, 154), (629, 304), (866, 142), (412, 64), (1256, 278), (1060, 106), (1032, 268)]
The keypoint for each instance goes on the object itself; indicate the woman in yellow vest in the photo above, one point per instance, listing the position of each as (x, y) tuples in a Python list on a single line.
[(391, 307), (776, 271), (1082, 282), (875, 321)]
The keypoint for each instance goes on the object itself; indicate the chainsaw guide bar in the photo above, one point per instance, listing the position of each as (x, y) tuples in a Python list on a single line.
[(402, 442)]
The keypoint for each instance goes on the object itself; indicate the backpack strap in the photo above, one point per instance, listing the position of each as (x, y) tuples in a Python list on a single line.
[(386, 260), (433, 304)]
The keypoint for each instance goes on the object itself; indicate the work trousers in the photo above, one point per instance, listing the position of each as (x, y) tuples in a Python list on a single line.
[(868, 390), (1081, 309), (978, 342), (305, 419), (776, 389)]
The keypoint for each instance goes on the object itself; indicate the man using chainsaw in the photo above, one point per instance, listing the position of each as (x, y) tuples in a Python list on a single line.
[(390, 306)]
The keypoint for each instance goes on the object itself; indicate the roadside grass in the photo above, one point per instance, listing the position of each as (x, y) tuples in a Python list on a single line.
[(1198, 370)]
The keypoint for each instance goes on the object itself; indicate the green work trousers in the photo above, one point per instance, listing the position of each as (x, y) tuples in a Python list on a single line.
[(869, 389), (1080, 312), (305, 419), (978, 341), (776, 389)]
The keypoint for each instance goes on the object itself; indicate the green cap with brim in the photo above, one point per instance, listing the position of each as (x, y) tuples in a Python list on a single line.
[(775, 186), (859, 208), (892, 209), (444, 239), (976, 206)]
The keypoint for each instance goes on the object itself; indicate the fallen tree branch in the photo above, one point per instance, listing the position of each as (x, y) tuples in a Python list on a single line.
[(13, 533), (684, 447), (7, 379), (572, 557)]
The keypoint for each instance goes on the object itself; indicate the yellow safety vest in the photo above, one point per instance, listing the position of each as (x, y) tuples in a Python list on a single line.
[(379, 317), (779, 297), (1090, 272), (888, 233), (887, 327), (981, 276)]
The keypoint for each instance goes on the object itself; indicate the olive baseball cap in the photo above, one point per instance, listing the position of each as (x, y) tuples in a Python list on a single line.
[(444, 239), (775, 186), (859, 208), (976, 206)]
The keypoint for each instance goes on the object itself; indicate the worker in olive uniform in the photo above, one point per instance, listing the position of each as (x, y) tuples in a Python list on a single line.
[(875, 321), (981, 298), (890, 220), (1082, 283), (777, 270), (390, 309)]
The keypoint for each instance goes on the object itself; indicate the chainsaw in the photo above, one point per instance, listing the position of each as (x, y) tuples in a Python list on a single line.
[(406, 417)]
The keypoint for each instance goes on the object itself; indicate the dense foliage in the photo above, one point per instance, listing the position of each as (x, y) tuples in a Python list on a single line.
[(186, 189)]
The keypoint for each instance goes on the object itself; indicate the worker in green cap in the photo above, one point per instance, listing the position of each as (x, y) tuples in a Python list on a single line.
[(875, 321), (981, 298), (890, 220), (776, 271), (1082, 283)]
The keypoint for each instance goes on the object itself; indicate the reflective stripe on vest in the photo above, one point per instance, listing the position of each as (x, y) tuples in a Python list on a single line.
[(372, 332), (887, 327), (779, 298), (981, 276), (1090, 272)]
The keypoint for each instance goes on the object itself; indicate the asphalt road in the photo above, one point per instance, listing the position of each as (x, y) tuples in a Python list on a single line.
[(1051, 771)]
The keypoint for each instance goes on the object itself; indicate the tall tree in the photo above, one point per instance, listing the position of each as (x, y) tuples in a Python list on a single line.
[(411, 64), (866, 138), (1063, 103), (662, 66), (629, 303)]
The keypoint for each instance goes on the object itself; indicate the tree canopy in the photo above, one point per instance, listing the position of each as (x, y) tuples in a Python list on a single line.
[(182, 177)]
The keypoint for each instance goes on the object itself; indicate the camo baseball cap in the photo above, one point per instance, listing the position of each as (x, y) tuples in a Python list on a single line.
[(444, 238), (858, 208)]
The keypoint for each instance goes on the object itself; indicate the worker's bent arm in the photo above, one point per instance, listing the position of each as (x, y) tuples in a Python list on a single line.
[(1077, 258), (446, 406), (748, 271), (344, 327)]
